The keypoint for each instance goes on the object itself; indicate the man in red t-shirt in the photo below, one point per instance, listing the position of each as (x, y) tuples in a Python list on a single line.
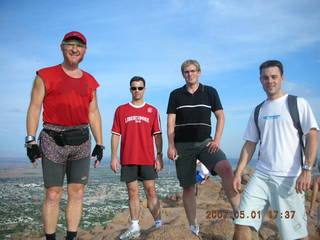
[(68, 97), (138, 124)]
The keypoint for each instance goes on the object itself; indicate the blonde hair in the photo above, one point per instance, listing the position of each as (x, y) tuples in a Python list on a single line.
[(189, 62)]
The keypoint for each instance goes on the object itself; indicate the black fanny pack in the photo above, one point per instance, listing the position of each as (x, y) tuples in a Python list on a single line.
[(74, 137)]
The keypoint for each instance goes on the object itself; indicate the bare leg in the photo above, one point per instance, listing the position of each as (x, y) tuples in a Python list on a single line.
[(242, 232), (74, 206), (152, 199), (134, 205), (224, 170), (50, 209), (189, 202)]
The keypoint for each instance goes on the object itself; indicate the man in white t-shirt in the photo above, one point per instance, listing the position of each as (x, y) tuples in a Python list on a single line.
[(278, 184)]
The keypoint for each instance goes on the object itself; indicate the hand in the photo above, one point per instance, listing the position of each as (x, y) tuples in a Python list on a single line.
[(33, 153), (114, 165), (304, 181), (236, 183), (172, 153), (213, 146), (97, 151), (158, 165), (312, 213)]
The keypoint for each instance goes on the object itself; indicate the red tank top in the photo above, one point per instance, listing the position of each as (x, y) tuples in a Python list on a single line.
[(67, 99)]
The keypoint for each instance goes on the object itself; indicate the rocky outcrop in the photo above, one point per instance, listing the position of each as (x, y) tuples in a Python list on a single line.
[(213, 226)]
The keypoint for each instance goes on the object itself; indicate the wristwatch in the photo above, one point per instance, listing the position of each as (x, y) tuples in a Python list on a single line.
[(30, 139), (306, 167), (159, 153)]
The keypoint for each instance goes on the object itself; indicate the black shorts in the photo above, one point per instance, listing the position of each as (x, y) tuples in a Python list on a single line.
[(77, 171), (188, 153), (130, 173)]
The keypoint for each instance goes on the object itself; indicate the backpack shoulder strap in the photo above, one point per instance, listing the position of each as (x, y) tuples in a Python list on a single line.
[(293, 110), (294, 113), (256, 116)]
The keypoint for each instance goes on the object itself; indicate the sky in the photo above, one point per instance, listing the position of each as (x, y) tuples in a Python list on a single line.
[(151, 39)]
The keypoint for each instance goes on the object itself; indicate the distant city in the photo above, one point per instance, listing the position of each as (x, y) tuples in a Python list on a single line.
[(22, 192)]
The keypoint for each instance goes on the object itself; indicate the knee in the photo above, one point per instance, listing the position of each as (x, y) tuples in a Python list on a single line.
[(241, 229), (151, 193), (224, 170), (133, 193), (76, 192), (53, 195), (189, 190)]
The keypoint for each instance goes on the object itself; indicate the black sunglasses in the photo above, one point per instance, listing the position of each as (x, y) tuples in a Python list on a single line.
[(136, 88)]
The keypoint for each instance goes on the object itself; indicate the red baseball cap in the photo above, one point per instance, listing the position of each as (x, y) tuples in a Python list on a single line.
[(75, 35)]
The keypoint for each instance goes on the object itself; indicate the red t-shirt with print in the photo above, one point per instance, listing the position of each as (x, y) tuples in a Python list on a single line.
[(137, 125)]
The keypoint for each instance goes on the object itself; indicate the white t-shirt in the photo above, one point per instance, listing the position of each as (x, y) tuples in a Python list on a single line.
[(280, 148)]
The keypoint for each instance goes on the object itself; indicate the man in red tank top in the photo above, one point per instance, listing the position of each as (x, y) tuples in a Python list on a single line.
[(138, 125), (68, 97)]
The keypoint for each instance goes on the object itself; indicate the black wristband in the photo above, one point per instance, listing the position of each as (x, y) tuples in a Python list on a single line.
[(98, 151), (33, 152)]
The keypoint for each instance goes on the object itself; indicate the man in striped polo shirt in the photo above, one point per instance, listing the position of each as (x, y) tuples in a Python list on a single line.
[(189, 129)]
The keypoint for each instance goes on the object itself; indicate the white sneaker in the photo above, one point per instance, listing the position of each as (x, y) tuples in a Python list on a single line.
[(195, 229), (130, 234)]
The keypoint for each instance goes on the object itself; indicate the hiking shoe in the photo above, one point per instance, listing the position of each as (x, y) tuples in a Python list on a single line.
[(194, 229), (130, 234)]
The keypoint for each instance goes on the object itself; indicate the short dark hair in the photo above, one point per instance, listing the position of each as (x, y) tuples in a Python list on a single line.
[(138, 79), (271, 63)]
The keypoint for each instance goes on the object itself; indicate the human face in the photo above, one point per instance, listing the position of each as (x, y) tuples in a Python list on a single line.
[(191, 74), (73, 52), (136, 93), (271, 80)]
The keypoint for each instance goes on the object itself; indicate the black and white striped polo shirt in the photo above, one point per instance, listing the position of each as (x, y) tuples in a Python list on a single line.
[(193, 112)]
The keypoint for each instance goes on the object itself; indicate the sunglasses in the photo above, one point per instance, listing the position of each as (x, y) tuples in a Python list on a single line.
[(191, 71), (136, 88)]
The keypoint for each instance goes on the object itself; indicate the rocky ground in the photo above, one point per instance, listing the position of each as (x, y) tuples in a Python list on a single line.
[(210, 197)]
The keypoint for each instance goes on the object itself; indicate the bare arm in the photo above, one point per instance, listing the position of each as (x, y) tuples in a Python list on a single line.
[(304, 180), (246, 154), (95, 125), (311, 147), (171, 122), (114, 164), (95, 120), (219, 114), (214, 145), (159, 161), (34, 110)]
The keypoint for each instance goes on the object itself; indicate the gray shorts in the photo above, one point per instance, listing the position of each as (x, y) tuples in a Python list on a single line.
[(130, 173), (188, 153), (58, 161), (77, 171)]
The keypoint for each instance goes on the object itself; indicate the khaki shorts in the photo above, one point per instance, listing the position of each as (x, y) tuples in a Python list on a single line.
[(188, 153), (276, 197)]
